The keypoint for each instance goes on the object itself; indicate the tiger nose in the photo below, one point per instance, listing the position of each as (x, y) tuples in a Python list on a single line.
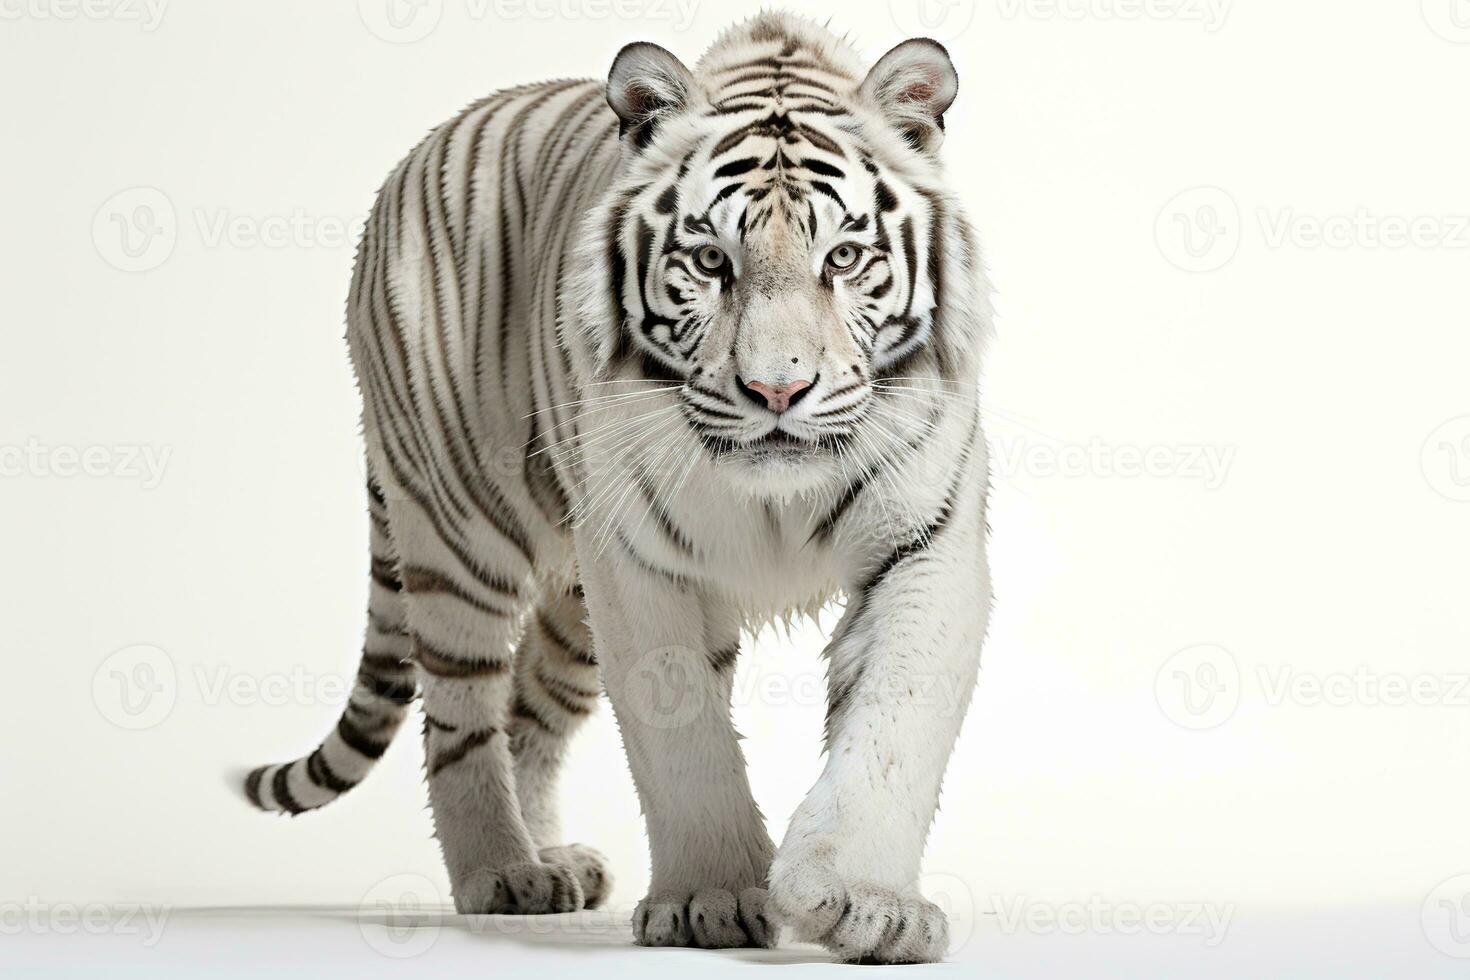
[(778, 398)]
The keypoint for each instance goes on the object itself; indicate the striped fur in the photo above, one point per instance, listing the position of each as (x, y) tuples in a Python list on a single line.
[(557, 302)]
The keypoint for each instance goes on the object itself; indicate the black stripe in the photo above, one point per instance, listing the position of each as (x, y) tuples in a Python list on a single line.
[(936, 275), (722, 660), (676, 538), (820, 141), (322, 775), (397, 690), (427, 581), (823, 167), (522, 709), (387, 628), (353, 738), (822, 187), (461, 749), (732, 140), (730, 189), (431, 722), (389, 662), (616, 262), (442, 663), (559, 696), (827, 525), (252, 786), (559, 638), (282, 792), (737, 167), (380, 523), (911, 261), (384, 574), (922, 541), (646, 565)]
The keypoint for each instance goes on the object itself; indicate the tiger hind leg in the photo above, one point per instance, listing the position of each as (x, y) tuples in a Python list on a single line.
[(555, 689), (464, 601)]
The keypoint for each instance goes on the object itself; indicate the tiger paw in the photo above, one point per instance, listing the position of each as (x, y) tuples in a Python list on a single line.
[(520, 889), (589, 866), (857, 922), (712, 918)]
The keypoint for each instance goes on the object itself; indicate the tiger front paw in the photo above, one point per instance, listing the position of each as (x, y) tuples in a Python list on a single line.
[(858, 922)]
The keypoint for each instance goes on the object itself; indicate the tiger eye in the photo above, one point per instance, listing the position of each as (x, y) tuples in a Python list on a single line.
[(710, 258), (843, 257)]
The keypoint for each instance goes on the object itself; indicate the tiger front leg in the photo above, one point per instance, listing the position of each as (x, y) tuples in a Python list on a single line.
[(667, 654), (903, 665)]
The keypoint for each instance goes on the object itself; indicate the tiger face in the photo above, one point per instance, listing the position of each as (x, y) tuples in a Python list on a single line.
[(779, 246)]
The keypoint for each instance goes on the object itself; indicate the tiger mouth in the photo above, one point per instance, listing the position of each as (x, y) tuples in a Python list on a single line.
[(779, 438), (777, 444)]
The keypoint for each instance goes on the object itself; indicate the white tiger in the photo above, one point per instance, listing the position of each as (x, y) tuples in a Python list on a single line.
[(712, 357)]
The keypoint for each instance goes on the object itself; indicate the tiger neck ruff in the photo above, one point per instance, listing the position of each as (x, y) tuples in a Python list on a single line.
[(646, 364)]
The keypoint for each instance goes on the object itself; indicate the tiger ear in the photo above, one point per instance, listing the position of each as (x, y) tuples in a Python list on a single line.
[(913, 85), (646, 84)]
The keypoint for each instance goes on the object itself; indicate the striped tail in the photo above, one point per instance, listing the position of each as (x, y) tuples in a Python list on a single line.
[(380, 698)]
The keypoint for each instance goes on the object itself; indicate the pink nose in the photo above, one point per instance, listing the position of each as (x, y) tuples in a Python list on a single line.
[(779, 397)]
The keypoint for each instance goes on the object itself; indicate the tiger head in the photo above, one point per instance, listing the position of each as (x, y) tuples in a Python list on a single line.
[(778, 243)]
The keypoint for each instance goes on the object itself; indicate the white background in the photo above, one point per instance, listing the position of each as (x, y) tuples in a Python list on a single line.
[(1194, 215)]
